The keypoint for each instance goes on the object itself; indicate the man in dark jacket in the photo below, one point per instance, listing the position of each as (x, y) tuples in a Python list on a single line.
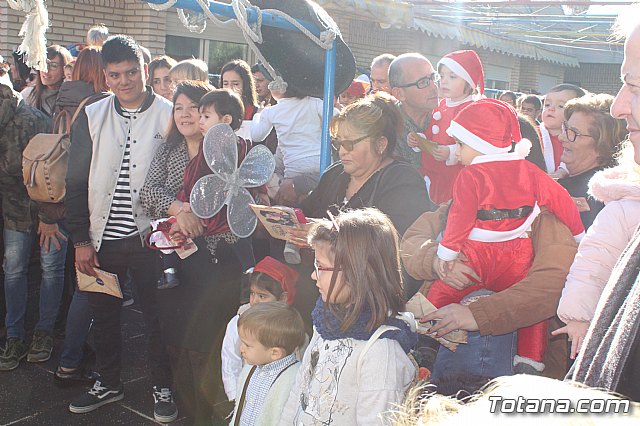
[(18, 124)]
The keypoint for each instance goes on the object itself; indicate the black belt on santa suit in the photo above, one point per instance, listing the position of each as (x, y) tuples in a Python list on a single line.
[(502, 214)]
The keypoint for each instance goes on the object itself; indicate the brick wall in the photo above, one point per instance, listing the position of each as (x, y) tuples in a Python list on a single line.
[(597, 78), (528, 76), (70, 19)]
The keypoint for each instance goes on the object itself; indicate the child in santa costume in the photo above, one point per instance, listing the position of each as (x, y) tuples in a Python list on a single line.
[(496, 198), (461, 82), (551, 126)]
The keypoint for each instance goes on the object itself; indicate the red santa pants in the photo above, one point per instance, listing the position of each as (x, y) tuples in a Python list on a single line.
[(499, 266)]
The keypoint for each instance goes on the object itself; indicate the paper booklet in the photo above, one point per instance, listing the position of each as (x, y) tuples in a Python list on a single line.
[(419, 306), (105, 283), (278, 220)]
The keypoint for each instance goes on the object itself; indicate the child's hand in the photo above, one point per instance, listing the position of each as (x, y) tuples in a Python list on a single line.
[(576, 331), (413, 140), (442, 267), (441, 153)]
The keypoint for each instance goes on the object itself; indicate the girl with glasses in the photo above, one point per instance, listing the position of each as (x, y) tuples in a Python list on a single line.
[(356, 365)]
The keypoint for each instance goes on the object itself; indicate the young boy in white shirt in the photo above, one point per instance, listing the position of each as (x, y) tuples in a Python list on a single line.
[(269, 334)]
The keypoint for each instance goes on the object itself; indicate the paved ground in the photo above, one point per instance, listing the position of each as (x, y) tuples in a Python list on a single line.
[(28, 395)]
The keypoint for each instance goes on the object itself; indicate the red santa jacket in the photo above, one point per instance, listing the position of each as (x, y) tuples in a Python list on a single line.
[(503, 181), (442, 174), (551, 148)]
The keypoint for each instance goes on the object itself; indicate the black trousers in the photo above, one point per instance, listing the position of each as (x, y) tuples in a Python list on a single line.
[(118, 256)]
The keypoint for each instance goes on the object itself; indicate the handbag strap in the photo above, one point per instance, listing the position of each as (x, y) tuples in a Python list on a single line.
[(243, 397)]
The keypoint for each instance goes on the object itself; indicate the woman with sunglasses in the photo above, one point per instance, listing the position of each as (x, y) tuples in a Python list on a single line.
[(364, 136), (45, 92), (590, 140)]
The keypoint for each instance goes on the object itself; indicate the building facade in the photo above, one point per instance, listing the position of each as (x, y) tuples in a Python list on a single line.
[(509, 65)]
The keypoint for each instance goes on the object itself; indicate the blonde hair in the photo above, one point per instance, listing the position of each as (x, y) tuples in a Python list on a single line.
[(274, 325), (190, 69), (607, 132), (97, 35), (425, 408), (375, 115)]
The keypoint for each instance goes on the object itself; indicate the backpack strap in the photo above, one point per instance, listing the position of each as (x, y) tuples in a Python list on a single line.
[(61, 118), (92, 99), (375, 336)]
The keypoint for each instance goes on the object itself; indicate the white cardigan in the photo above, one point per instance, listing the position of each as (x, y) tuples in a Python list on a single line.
[(276, 397), (329, 392)]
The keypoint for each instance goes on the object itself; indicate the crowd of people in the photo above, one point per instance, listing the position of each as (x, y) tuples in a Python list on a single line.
[(510, 220)]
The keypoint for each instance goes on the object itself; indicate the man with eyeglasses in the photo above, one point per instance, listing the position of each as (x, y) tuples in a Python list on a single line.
[(413, 83)]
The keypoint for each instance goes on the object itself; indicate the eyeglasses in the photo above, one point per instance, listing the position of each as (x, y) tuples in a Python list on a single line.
[(53, 65), (424, 81), (319, 268), (570, 133), (346, 144)]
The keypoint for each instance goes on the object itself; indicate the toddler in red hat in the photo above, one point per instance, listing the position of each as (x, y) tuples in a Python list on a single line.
[(356, 90), (271, 281), (461, 82), (496, 198)]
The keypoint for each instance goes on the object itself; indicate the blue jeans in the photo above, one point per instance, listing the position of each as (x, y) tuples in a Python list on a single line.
[(17, 252), (482, 356), (78, 325)]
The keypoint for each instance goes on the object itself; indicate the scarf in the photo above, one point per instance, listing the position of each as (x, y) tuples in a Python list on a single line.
[(615, 325), (329, 327)]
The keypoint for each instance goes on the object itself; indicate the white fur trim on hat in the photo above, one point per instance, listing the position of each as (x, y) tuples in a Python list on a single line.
[(455, 130), (458, 70), (523, 148)]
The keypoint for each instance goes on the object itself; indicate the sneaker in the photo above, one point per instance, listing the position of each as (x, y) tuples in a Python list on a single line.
[(169, 279), (96, 397), (164, 409), (73, 377), (41, 347), (14, 351)]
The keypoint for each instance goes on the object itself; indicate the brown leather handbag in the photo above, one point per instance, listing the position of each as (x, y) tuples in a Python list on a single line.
[(45, 160)]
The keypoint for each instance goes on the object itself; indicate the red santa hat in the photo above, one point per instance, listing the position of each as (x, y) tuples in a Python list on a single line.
[(467, 65), (280, 272), (489, 126)]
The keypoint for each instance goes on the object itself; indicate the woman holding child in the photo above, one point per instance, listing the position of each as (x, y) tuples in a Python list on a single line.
[(194, 312)]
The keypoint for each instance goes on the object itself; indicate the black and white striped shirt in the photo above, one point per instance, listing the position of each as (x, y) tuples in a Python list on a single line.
[(121, 222)]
